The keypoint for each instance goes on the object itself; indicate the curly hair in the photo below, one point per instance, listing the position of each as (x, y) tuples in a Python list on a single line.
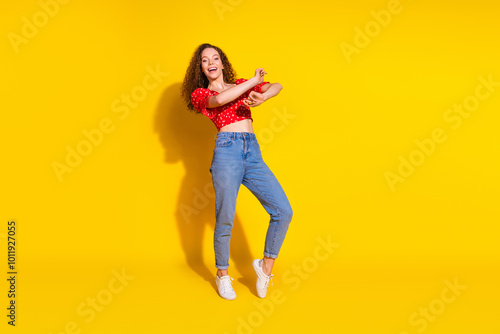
[(195, 78)]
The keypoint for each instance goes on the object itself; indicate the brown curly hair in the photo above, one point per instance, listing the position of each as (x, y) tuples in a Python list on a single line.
[(195, 78)]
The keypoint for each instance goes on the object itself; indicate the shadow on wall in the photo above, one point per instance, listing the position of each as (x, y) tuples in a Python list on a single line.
[(188, 137)]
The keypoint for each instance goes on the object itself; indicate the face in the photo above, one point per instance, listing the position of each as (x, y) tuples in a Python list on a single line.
[(211, 64)]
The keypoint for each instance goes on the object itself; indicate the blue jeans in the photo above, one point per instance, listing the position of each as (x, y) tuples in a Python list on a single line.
[(237, 160)]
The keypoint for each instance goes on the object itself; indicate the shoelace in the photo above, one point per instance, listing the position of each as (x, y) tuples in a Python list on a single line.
[(226, 283), (269, 278)]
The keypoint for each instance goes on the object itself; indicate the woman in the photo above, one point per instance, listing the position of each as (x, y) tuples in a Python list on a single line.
[(210, 88)]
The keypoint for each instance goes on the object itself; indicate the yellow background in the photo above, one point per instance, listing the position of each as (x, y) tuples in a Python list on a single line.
[(348, 122)]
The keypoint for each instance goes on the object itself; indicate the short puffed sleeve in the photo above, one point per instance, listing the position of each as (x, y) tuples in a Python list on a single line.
[(256, 88), (199, 101)]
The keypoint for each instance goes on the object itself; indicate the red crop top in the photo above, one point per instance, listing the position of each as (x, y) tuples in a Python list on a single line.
[(231, 112)]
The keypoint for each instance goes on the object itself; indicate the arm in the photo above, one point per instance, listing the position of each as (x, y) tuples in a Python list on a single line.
[(234, 92), (268, 90), (271, 90), (265, 87), (231, 93)]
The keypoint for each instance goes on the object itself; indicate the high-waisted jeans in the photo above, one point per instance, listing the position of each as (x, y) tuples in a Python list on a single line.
[(237, 160)]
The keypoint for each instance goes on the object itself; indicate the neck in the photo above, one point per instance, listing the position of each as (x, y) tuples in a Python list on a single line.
[(217, 84)]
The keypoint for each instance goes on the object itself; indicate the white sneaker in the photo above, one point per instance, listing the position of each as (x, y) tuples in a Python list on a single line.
[(262, 278), (225, 287)]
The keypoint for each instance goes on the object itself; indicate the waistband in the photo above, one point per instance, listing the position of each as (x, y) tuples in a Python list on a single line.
[(234, 135)]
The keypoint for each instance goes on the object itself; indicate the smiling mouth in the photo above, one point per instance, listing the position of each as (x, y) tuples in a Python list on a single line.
[(212, 69)]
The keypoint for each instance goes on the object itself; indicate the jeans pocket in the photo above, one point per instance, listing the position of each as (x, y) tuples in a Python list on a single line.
[(223, 141)]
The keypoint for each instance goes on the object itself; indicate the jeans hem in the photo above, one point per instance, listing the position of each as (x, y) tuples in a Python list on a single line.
[(272, 256)]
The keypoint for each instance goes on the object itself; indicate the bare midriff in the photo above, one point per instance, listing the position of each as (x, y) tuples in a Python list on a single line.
[(244, 125)]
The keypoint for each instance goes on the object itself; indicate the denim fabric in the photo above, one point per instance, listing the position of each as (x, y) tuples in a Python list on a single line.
[(237, 160)]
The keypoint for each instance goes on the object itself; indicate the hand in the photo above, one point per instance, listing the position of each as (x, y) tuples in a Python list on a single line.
[(259, 75), (254, 99)]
